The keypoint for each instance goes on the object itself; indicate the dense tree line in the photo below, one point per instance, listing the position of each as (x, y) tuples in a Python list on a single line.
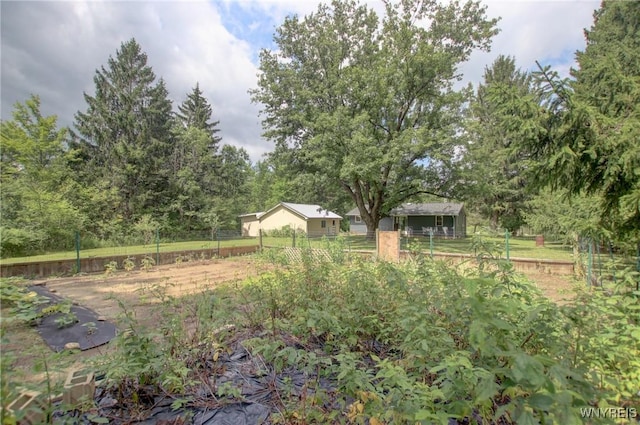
[(130, 163), (362, 111)]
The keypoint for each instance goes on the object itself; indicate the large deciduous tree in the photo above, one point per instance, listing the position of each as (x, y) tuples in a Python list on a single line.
[(125, 132), (35, 180), (368, 103)]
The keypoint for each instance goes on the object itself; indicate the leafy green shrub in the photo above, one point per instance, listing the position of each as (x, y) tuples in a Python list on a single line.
[(23, 305), (15, 242), (128, 264), (146, 228), (429, 344), (147, 263), (110, 268), (412, 343), (284, 232)]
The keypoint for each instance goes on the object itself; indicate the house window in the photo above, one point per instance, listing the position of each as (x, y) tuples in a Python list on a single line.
[(323, 224), (439, 220), (334, 223), (357, 219)]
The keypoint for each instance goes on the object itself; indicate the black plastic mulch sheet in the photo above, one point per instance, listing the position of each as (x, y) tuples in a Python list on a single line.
[(88, 331), (256, 400)]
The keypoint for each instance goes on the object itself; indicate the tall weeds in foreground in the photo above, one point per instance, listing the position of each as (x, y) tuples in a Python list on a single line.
[(423, 342), (376, 342)]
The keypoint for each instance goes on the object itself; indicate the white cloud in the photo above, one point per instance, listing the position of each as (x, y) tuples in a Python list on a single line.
[(547, 31), (54, 48)]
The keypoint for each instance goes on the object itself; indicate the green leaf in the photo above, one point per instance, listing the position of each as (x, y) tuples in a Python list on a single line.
[(540, 401), (526, 418), (486, 389)]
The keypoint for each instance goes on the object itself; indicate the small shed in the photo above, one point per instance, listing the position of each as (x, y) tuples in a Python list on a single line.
[(250, 223), (311, 219), (446, 219)]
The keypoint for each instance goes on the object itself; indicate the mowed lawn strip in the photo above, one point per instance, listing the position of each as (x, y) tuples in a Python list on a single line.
[(523, 248), (130, 250)]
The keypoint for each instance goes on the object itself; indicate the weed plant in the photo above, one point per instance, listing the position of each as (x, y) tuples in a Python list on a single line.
[(376, 342), (422, 342)]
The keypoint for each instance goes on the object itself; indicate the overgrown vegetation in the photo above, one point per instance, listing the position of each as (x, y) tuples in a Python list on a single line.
[(350, 340), (26, 306)]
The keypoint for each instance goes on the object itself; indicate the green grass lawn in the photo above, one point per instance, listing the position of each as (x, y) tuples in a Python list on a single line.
[(131, 250), (524, 248), (517, 247)]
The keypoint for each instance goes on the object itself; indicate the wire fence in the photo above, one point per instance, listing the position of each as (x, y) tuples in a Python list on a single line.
[(596, 262), (501, 244), (151, 243), (600, 262)]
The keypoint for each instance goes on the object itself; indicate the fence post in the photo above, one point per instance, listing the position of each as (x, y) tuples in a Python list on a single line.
[(599, 261), (218, 238), (590, 263), (506, 236), (294, 238), (260, 238), (431, 243), (157, 247), (637, 267), (77, 251)]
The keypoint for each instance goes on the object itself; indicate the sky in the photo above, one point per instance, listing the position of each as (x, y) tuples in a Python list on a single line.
[(53, 49)]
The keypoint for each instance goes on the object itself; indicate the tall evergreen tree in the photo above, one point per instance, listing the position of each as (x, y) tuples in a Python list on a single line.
[(231, 185), (196, 112), (195, 164), (125, 131), (585, 137), (493, 168)]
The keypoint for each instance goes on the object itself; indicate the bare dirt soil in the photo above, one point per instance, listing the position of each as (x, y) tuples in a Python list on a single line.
[(557, 288), (101, 292)]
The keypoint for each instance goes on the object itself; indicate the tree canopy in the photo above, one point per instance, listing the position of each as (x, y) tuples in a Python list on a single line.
[(493, 177), (367, 102), (583, 136), (35, 179), (125, 130)]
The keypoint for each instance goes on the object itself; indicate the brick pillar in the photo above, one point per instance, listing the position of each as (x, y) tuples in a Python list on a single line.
[(388, 245)]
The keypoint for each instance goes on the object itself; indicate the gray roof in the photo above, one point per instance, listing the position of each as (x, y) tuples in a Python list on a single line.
[(443, 208), (308, 211), (353, 212)]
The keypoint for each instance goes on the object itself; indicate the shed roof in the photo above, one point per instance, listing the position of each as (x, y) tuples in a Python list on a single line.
[(434, 208), (307, 211), (258, 214)]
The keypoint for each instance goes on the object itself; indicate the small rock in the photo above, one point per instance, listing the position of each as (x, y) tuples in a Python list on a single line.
[(102, 319), (72, 346), (224, 328), (107, 402), (53, 291)]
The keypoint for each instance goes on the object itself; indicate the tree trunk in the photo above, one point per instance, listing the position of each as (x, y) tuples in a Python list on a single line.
[(372, 223), (495, 219), (370, 212)]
